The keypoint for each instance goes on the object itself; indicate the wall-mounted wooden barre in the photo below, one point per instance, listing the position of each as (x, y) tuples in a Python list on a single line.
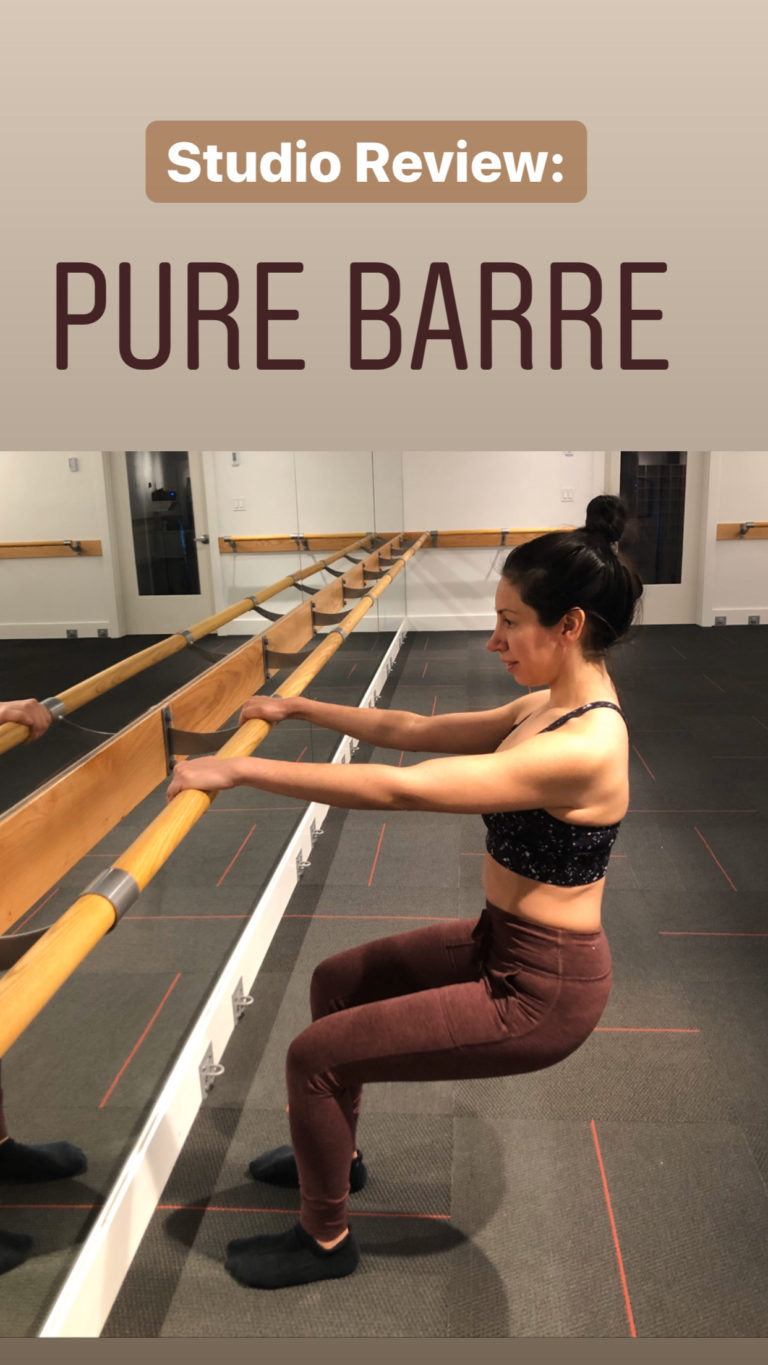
[(48, 549), (287, 544), (514, 535), (39, 841), (36, 977), (742, 530), (71, 698), (264, 544)]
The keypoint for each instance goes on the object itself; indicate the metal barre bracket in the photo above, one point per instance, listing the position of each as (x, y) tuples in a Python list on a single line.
[(745, 527), (14, 946), (190, 741), (199, 741), (76, 545), (373, 574), (355, 592), (275, 658), (328, 618), (206, 653), (232, 543), (240, 1001), (209, 1070), (58, 711), (118, 887), (264, 611), (301, 542), (304, 587)]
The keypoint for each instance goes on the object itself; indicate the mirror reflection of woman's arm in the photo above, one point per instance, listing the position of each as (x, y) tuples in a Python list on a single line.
[(460, 733), (27, 712)]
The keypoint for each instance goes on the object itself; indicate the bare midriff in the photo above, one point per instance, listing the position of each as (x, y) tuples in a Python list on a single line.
[(576, 908)]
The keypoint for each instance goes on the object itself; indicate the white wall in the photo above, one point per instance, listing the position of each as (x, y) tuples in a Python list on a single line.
[(41, 499), (477, 489), (735, 578)]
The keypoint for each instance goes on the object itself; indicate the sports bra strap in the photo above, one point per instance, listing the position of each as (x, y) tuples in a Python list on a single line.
[(554, 725)]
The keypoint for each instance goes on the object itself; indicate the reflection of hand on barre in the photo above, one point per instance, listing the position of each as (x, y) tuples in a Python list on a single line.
[(28, 712)]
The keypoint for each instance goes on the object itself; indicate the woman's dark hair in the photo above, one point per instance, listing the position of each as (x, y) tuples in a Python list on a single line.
[(580, 568)]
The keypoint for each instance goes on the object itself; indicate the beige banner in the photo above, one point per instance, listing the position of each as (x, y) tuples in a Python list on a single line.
[(674, 113)]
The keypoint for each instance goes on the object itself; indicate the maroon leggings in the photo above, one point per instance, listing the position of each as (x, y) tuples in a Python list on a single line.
[(495, 997)]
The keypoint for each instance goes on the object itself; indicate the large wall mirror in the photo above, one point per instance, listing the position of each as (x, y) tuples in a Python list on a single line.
[(90, 1067)]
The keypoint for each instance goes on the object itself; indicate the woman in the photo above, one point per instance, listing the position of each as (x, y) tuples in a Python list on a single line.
[(525, 985)]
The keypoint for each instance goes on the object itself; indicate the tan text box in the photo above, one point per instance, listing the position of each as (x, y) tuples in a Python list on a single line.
[(342, 162)]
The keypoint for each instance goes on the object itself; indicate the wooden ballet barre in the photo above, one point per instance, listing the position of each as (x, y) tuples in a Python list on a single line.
[(48, 549), (32, 981), (266, 544), (39, 841), (742, 530), (516, 535), (286, 544), (64, 703)]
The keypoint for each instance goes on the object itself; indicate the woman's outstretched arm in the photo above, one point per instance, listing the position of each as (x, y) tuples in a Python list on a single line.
[(552, 769)]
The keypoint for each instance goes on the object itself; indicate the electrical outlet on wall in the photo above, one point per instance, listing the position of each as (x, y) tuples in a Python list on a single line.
[(566, 494), (720, 620), (238, 504)]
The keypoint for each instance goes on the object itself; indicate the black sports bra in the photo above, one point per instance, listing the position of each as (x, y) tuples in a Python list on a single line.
[(535, 844)]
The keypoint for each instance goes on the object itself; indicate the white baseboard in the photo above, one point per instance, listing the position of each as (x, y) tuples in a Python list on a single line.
[(50, 630), (739, 616), (85, 1299)]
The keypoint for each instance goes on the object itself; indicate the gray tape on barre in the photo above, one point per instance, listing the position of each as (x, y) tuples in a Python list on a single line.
[(116, 886), (56, 706)]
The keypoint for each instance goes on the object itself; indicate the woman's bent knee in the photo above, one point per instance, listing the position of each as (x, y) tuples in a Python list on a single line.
[(330, 984)]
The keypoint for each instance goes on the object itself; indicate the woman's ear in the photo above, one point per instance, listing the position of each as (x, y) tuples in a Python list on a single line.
[(572, 626)]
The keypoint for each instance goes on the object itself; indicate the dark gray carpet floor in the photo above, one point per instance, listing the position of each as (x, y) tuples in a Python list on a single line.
[(622, 1191)]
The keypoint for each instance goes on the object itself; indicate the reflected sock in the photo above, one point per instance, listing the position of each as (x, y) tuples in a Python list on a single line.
[(289, 1258), (14, 1248), (22, 1163), (278, 1167)]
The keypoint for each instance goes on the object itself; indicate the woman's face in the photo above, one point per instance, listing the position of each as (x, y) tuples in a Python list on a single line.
[(531, 652)]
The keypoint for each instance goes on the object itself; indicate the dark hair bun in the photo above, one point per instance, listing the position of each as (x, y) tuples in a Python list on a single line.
[(606, 517)]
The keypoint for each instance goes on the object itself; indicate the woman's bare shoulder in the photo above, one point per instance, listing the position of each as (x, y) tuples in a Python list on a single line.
[(534, 702)]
